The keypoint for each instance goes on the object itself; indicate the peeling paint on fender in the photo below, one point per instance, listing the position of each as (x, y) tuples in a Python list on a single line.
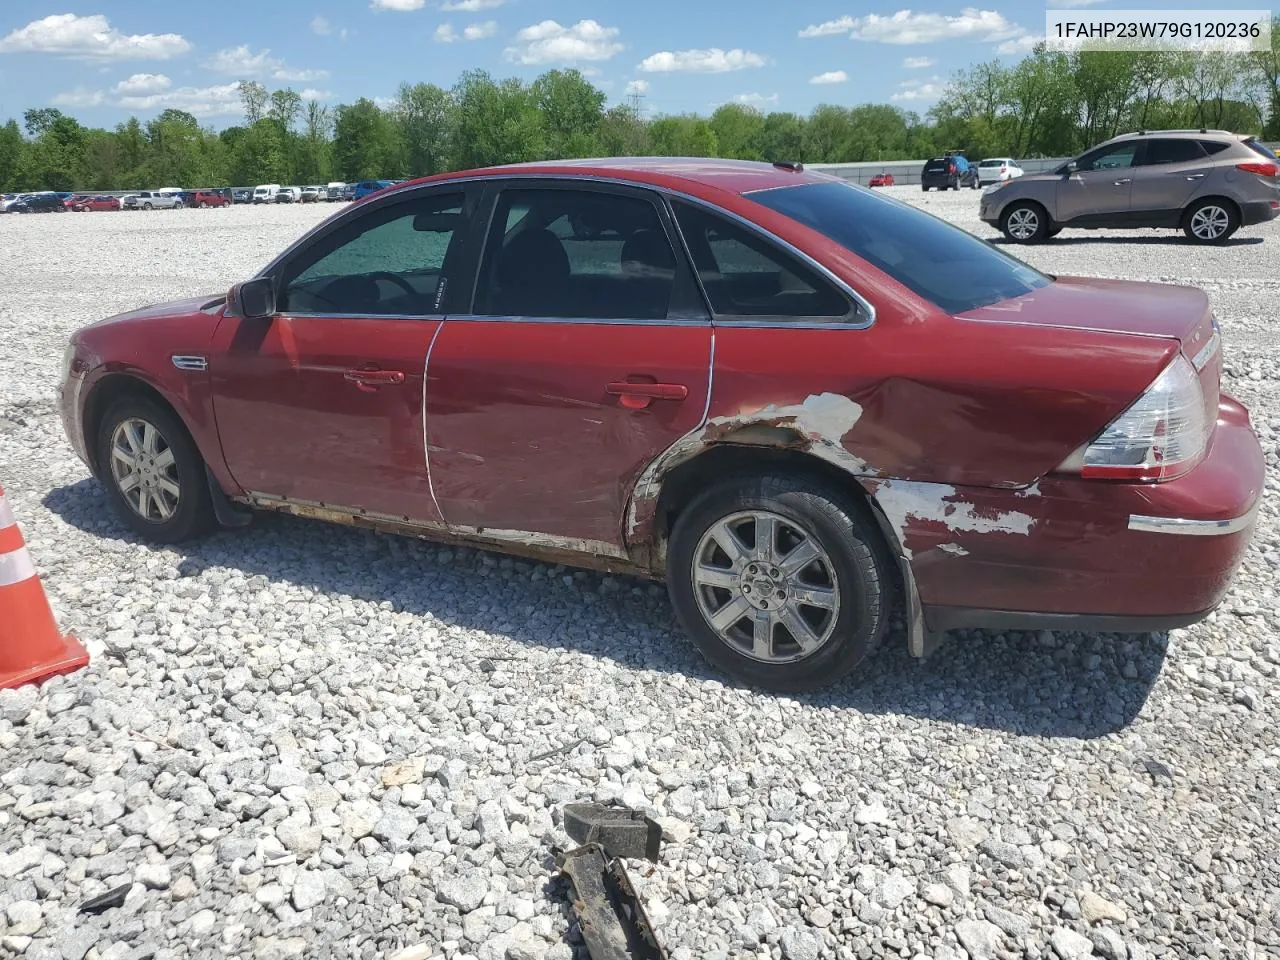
[(906, 501), (817, 426)]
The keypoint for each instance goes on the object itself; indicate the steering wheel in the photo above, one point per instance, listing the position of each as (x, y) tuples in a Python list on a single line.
[(396, 279)]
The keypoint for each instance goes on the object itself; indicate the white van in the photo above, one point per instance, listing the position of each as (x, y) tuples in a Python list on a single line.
[(289, 195), (266, 193)]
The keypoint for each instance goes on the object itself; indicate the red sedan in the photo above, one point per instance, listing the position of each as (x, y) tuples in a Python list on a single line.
[(881, 180), (83, 204), (781, 393)]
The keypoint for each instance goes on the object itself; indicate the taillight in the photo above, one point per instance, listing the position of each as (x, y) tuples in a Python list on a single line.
[(1261, 169), (951, 168), (1162, 435)]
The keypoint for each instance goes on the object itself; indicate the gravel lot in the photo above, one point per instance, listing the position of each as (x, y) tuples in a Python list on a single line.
[(305, 740)]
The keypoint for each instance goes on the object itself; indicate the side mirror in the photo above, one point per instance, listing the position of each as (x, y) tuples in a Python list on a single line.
[(254, 299), (1069, 168)]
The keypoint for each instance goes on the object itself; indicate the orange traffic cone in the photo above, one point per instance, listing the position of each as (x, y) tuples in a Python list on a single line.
[(32, 648)]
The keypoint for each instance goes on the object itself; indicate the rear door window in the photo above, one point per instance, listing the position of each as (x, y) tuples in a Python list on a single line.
[(1213, 146), (939, 262), (1172, 151), (576, 254)]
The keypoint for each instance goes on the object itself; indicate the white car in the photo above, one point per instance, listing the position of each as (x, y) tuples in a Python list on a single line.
[(998, 170), (288, 195)]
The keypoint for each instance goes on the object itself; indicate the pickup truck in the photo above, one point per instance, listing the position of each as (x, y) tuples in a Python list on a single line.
[(153, 200)]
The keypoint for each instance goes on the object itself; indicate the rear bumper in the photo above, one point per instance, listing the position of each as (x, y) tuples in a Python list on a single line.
[(1258, 211), (1100, 555)]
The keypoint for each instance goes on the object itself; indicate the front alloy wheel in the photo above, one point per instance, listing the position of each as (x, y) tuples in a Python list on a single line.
[(780, 579), (1025, 223), (145, 470), (154, 474)]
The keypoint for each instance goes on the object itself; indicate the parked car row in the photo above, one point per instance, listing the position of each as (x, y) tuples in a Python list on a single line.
[(175, 198)]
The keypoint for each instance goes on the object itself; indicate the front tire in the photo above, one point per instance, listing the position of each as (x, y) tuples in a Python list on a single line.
[(1025, 222), (153, 472), (780, 581), (1210, 221)]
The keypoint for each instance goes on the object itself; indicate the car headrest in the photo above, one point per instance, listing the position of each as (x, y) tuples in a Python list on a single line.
[(535, 256)]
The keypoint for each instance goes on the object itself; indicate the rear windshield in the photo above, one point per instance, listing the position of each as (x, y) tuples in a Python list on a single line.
[(991, 163), (941, 263), (1260, 147)]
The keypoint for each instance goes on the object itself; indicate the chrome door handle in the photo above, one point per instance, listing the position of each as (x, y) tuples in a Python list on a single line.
[(1195, 176), (1121, 183)]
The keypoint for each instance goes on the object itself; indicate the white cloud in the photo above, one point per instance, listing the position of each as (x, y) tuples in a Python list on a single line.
[(471, 6), (321, 26), (289, 75), (79, 98), (141, 84), (909, 90), (908, 26), (480, 31), (919, 63), (444, 33), (831, 76), (637, 86), (219, 100), (756, 100), (548, 42), (400, 6), (1023, 44), (311, 93), (713, 60), (242, 62), (830, 28), (91, 38)]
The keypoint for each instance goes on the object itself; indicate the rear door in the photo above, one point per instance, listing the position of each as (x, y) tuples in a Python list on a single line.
[(1100, 187), (323, 401), (586, 354), (1172, 171)]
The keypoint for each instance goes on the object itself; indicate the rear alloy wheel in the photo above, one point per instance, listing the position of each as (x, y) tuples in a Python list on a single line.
[(1025, 223), (1210, 221), (177, 205), (146, 206), (153, 472), (779, 581)]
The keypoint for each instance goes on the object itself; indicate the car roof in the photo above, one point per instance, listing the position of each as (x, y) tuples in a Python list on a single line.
[(1177, 135), (677, 173)]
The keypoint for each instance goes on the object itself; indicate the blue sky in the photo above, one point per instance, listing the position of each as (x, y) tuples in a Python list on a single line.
[(106, 60)]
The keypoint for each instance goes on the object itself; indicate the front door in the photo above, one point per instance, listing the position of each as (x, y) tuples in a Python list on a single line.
[(323, 401), (587, 353), (1099, 187)]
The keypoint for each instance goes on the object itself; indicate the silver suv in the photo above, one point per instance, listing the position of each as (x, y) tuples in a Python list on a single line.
[(1209, 183)]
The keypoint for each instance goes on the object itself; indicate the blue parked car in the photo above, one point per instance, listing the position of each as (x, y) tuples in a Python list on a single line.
[(366, 187)]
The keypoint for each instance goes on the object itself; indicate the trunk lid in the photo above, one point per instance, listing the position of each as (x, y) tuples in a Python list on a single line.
[(1110, 306)]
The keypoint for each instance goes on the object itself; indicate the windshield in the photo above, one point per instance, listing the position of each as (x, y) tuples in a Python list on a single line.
[(943, 264), (992, 163)]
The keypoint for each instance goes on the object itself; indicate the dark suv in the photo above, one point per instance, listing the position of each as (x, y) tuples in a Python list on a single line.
[(1209, 183), (39, 203), (948, 172)]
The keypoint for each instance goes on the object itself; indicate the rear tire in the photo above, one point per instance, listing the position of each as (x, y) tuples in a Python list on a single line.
[(1025, 222), (923, 188), (1210, 221), (837, 603), (146, 206), (142, 477)]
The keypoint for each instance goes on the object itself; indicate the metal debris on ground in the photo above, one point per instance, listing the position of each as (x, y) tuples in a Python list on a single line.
[(611, 916)]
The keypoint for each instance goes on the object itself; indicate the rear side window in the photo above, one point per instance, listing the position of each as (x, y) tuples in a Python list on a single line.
[(585, 254), (1172, 151), (744, 275), (1213, 146), (940, 263)]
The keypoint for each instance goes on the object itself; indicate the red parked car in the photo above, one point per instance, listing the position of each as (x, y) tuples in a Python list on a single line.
[(83, 204), (211, 198), (784, 394), (881, 180)]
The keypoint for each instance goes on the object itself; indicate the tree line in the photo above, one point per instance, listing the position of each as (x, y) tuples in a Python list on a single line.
[(1048, 104)]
